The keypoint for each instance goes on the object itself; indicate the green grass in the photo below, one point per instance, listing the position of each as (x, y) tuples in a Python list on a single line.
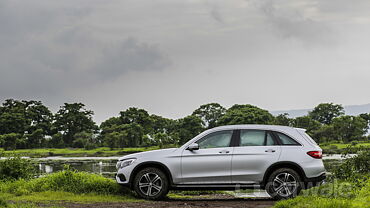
[(333, 195), (67, 186), (339, 148), (57, 196), (75, 152), (343, 146)]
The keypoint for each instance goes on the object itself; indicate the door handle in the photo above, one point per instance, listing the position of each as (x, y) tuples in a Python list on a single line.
[(224, 151), (270, 150)]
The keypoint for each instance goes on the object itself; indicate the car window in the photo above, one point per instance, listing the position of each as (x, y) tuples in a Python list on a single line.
[(252, 138), (269, 140), (285, 140), (215, 140)]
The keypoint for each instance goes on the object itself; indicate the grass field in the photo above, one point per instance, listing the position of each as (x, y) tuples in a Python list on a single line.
[(75, 152), (336, 148)]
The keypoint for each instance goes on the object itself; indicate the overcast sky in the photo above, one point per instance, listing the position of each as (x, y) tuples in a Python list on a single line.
[(171, 56)]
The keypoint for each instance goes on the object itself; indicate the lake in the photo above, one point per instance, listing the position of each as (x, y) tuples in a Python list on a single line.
[(106, 166)]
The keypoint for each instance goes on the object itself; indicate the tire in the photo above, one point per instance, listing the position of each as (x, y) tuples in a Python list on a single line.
[(151, 183), (284, 183)]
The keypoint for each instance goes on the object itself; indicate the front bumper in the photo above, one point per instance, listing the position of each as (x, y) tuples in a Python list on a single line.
[(123, 175)]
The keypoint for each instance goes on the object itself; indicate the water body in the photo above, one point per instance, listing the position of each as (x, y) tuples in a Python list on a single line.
[(106, 166)]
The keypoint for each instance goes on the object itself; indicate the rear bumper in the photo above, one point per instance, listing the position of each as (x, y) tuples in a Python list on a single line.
[(317, 179)]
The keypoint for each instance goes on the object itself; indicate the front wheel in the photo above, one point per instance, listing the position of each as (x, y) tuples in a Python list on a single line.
[(284, 183), (151, 183)]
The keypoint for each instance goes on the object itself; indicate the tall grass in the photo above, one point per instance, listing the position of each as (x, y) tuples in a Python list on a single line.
[(67, 181)]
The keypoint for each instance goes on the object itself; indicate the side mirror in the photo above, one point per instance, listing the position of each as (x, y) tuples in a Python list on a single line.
[(193, 146)]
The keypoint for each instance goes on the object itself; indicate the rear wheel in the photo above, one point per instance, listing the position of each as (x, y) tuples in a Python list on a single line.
[(284, 183), (151, 183)]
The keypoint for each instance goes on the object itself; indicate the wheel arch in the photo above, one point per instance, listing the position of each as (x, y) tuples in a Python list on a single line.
[(283, 164), (153, 164)]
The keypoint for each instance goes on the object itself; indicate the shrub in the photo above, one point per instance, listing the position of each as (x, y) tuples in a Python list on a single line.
[(67, 180), (14, 168), (3, 203), (355, 169)]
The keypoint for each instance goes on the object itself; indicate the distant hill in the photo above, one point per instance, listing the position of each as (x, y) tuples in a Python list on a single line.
[(349, 109)]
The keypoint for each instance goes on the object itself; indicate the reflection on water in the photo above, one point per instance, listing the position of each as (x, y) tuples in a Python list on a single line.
[(106, 168)]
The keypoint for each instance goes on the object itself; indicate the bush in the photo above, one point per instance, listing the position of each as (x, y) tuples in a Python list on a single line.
[(14, 168), (67, 180), (355, 169), (3, 203)]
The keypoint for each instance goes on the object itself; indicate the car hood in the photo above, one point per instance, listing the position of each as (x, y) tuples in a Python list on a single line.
[(153, 153)]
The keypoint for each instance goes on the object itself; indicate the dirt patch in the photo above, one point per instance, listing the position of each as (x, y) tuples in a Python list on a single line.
[(182, 203)]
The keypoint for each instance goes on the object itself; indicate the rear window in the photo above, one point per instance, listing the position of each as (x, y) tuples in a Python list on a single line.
[(286, 140), (310, 138)]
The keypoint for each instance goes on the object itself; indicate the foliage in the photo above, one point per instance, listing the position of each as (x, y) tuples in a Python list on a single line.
[(245, 114), (349, 128), (306, 122), (72, 119), (209, 114), (283, 120), (326, 112), (30, 124), (331, 195), (67, 180), (14, 168), (356, 168), (188, 127)]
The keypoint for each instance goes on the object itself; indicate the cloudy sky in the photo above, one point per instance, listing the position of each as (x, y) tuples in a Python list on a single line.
[(170, 56)]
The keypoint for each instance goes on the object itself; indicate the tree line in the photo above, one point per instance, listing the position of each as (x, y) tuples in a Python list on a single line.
[(30, 124)]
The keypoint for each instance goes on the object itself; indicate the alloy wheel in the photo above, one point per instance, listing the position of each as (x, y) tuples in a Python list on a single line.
[(150, 184), (284, 184)]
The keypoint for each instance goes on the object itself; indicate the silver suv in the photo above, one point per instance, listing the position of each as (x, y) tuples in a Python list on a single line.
[(280, 159)]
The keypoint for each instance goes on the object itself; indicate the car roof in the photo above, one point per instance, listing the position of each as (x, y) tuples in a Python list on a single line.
[(257, 126)]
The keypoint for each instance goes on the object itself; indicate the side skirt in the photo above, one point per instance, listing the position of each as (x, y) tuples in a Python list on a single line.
[(215, 186)]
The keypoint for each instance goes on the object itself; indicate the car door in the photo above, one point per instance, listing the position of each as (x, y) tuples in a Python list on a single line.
[(211, 163), (254, 153)]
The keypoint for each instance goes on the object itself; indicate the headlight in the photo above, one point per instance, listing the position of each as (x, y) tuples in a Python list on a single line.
[(124, 163)]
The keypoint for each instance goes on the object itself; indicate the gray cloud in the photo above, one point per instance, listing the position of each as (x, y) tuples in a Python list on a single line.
[(291, 19), (171, 56), (47, 50)]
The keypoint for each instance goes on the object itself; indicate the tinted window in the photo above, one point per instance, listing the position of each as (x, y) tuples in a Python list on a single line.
[(285, 140), (217, 139), (252, 138), (269, 140)]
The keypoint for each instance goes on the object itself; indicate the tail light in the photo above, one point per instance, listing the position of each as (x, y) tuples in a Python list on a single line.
[(315, 154)]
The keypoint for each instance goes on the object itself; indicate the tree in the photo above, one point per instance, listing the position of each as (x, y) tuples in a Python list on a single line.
[(209, 114), (325, 133), (39, 117), (30, 119), (36, 139), (306, 122), (283, 119), (326, 112), (72, 119), (245, 114), (57, 141), (136, 116), (11, 140), (350, 128), (163, 139), (85, 140), (188, 128), (161, 125), (366, 117), (13, 117)]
